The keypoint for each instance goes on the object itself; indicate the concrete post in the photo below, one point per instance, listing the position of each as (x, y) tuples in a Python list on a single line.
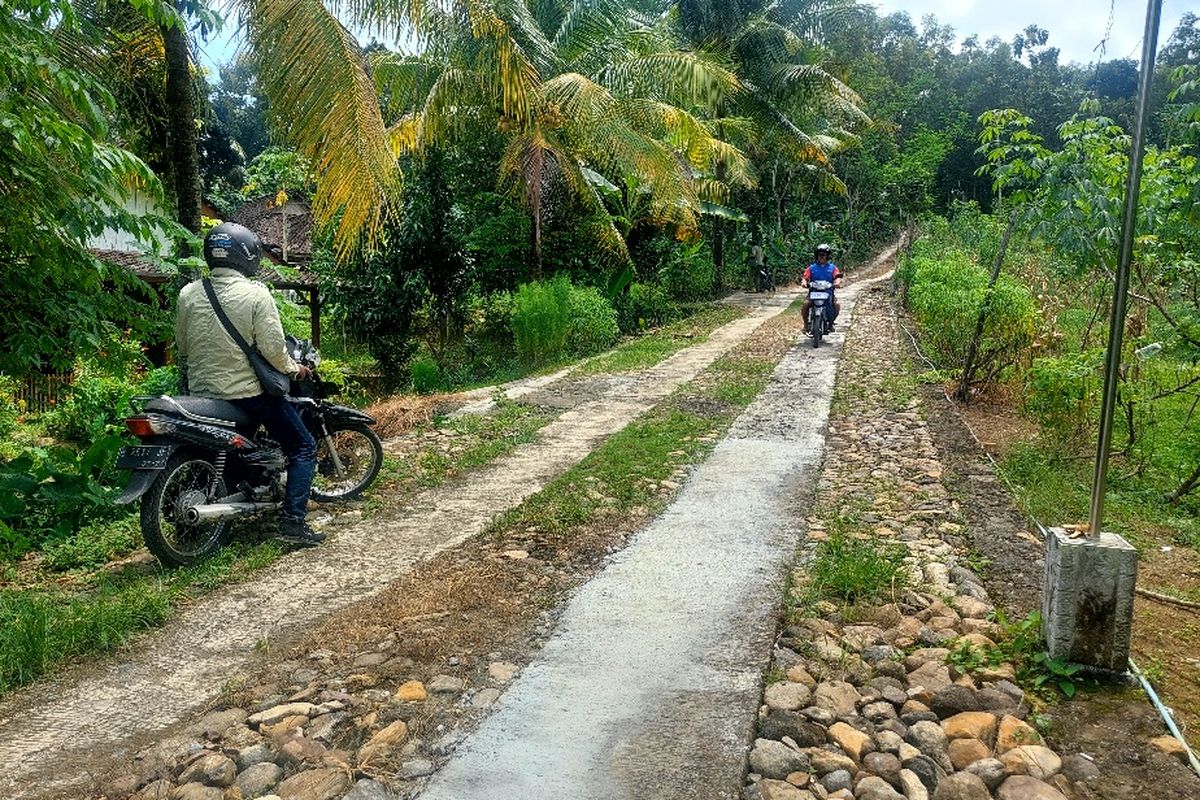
[(1087, 605)]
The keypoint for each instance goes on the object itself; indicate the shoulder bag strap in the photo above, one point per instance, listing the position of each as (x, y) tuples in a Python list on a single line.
[(225, 322)]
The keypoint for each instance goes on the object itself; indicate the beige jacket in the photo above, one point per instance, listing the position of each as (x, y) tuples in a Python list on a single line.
[(216, 366)]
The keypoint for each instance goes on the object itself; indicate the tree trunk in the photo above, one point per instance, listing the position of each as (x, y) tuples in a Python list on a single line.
[(718, 241), (1188, 484), (964, 386), (537, 243), (181, 128)]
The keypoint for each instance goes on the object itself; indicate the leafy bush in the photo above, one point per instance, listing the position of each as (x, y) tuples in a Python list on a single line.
[(9, 410), (1060, 391), (425, 374), (688, 271), (592, 322), (945, 290), (93, 545), (540, 319), (47, 493), (645, 306)]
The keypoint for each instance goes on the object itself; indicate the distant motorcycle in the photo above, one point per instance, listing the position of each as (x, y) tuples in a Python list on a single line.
[(820, 310), (202, 463), (764, 280)]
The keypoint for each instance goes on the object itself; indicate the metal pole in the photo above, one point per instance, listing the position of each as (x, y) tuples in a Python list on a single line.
[(1116, 329)]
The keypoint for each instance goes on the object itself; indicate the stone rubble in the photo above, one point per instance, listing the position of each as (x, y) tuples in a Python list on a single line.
[(871, 706), (340, 740)]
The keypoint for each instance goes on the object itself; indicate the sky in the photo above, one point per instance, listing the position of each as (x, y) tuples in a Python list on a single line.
[(1076, 27)]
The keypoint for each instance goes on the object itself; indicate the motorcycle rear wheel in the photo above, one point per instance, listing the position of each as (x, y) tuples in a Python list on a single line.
[(187, 479), (361, 455)]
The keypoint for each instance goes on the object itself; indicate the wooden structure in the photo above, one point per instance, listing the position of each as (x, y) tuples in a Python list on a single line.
[(286, 234)]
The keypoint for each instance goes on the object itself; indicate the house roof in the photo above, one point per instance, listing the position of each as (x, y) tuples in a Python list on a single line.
[(146, 269), (277, 226)]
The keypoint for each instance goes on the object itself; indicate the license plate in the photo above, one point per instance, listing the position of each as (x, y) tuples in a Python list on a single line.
[(818, 295), (144, 456)]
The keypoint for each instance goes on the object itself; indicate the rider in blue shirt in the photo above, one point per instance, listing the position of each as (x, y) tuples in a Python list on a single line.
[(822, 270)]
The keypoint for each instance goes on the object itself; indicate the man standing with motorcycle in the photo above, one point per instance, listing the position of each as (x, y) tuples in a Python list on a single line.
[(822, 270), (215, 366)]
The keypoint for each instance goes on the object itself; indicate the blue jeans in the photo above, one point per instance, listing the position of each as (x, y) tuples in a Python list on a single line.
[(285, 426)]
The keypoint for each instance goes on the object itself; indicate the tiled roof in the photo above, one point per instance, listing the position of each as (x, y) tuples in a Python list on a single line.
[(145, 268), (262, 216)]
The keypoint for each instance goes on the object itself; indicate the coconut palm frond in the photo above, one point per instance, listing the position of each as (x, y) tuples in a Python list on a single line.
[(406, 136), (403, 82), (325, 105), (585, 22), (802, 145), (513, 78), (446, 110), (579, 98), (680, 77), (525, 31), (732, 129), (764, 40), (812, 84), (691, 138)]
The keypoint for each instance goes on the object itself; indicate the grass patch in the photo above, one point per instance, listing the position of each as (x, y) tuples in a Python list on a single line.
[(627, 472), (41, 627), (651, 348), (849, 569), (469, 442), (1057, 489)]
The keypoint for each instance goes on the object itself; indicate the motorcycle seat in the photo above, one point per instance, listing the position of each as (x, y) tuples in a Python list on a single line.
[(203, 409)]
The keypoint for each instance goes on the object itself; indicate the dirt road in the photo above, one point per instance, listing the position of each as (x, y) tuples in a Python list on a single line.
[(50, 732), (649, 686)]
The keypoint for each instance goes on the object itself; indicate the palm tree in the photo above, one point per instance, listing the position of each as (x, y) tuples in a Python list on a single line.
[(797, 107), (591, 94)]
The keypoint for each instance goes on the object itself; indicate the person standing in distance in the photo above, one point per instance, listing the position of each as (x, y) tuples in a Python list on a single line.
[(822, 270), (214, 366)]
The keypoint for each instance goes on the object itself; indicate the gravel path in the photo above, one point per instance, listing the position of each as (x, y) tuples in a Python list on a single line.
[(649, 685), (49, 732)]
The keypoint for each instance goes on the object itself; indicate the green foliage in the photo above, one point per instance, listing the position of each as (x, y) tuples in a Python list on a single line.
[(541, 319), (64, 182), (498, 242), (424, 374), (47, 625), (1062, 391), (93, 545), (1021, 643), (847, 568), (945, 289), (687, 273), (592, 322), (101, 390), (644, 306), (9, 411), (49, 492), (278, 169)]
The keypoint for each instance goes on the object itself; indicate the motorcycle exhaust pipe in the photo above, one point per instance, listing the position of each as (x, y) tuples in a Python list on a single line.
[(214, 512)]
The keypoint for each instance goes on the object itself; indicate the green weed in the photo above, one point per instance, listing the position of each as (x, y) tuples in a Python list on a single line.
[(651, 348), (849, 569)]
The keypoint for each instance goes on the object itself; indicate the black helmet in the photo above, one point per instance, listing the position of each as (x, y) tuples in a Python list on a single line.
[(232, 245), (823, 248)]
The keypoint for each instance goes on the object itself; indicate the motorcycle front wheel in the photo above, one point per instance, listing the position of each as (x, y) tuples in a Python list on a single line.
[(186, 481), (348, 461), (816, 325)]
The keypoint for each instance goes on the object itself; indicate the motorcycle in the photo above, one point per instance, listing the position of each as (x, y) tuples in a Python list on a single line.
[(764, 280), (820, 310), (203, 463)]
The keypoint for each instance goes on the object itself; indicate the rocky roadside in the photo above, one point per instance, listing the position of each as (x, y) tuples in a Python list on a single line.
[(867, 702)]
